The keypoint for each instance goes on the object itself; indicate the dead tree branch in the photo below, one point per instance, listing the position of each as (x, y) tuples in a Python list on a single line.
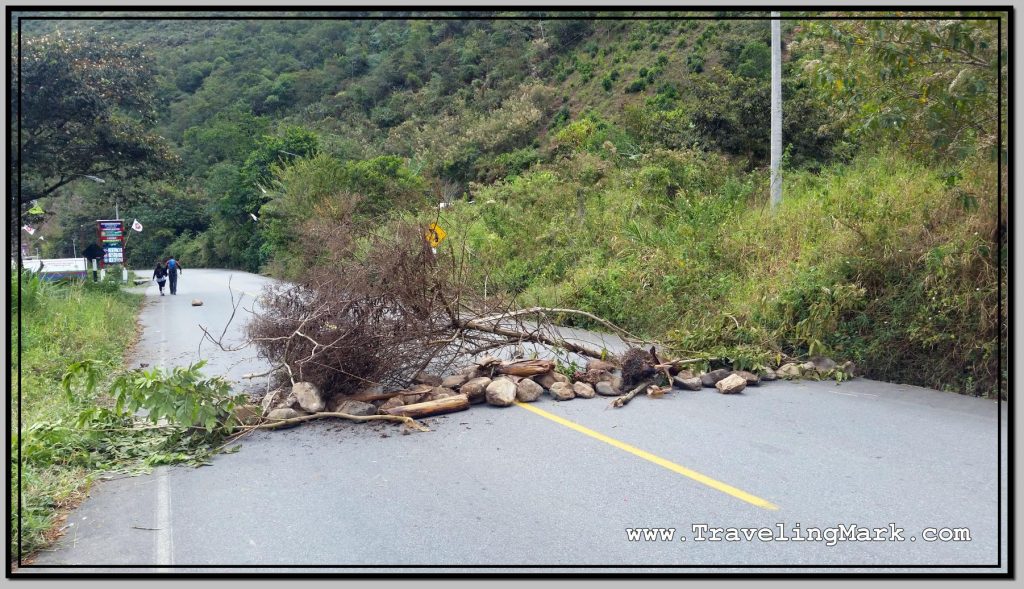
[(621, 401), (278, 423)]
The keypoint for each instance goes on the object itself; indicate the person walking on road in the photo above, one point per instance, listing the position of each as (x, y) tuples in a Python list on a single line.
[(173, 268), (160, 275)]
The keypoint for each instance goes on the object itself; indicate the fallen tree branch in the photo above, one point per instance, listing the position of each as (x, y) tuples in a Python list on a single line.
[(620, 401), (540, 338), (277, 423), (625, 335), (267, 373), (427, 408)]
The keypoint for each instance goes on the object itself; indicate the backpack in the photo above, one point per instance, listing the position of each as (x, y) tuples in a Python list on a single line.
[(170, 265)]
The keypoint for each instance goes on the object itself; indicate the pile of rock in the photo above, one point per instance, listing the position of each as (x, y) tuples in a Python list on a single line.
[(501, 383), (817, 368), (492, 381)]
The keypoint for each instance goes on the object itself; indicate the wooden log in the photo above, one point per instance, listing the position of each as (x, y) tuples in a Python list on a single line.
[(427, 408), (527, 368)]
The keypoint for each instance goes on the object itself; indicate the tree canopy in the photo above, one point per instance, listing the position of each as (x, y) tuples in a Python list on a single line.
[(85, 106), (930, 84)]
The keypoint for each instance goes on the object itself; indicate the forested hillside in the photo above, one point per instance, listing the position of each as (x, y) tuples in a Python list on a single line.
[(612, 165)]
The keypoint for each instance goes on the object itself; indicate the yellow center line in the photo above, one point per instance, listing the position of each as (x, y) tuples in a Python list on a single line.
[(686, 472)]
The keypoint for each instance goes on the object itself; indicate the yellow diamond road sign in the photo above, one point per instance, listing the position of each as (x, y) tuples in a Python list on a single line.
[(435, 235)]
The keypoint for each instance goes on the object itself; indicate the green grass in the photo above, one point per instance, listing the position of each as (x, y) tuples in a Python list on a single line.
[(61, 324)]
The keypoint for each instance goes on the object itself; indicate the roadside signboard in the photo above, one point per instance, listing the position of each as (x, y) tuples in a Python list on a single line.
[(111, 232), (57, 268), (435, 235)]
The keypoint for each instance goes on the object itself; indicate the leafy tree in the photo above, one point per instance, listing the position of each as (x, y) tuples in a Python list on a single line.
[(730, 114), (228, 136), (755, 61), (237, 239), (172, 214), (929, 84), (277, 150), (85, 109)]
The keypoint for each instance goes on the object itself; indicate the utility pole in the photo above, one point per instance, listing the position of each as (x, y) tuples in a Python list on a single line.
[(776, 138)]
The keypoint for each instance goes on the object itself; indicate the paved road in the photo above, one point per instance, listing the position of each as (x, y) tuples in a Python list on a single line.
[(558, 487)]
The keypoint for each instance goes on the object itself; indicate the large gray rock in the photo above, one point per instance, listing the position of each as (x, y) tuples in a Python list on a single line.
[(475, 389), (308, 396), (284, 413), (545, 380), (751, 378), (501, 392), (731, 384), (788, 370), (768, 374), (355, 408), (273, 400), (823, 365), (583, 390), (605, 389), (396, 401), (528, 391), (549, 378), (808, 370), (709, 379), (561, 391), (691, 383), (455, 381)]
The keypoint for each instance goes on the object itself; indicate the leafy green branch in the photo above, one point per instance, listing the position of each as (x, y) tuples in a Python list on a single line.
[(180, 397)]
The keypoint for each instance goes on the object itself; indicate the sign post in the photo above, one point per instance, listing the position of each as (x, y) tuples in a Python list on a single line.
[(111, 232), (93, 253)]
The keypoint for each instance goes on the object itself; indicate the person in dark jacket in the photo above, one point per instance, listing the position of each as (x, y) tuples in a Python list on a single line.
[(173, 268), (160, 275)]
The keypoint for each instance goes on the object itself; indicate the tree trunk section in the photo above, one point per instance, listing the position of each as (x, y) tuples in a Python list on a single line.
[(427, 408)]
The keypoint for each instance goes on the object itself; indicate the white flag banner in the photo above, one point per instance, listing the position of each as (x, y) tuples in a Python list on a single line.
[(31, 230), (136, 225)]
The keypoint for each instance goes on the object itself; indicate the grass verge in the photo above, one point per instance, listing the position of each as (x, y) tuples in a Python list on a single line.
[(61, 323)]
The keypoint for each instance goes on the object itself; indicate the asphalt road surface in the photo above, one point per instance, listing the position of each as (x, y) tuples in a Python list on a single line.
[(555, 486)]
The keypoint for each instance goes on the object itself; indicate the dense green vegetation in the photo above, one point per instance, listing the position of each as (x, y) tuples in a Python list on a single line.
[(877, 261), (613, 165)]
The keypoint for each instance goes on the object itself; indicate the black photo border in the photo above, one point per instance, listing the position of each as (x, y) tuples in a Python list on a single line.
[(258, 12)]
